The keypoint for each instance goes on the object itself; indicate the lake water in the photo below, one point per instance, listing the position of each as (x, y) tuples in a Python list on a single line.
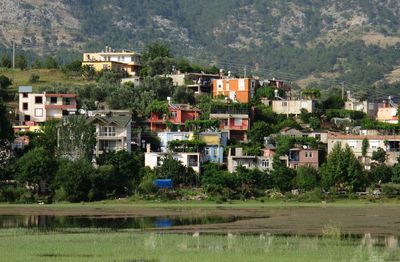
[(47, 222)]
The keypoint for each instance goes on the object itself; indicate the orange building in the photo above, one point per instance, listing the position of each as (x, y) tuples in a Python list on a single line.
[(236, 89)]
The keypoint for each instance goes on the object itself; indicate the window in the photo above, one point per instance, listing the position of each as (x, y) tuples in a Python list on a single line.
[(303, 104), (24, 95), (105, 67), (27, 118), (207, 151), (216, 152), (308, 154), (318, 137), (265, 163), (107, 131), (38, 100), (284, 103), (193, 161), (38, 112), (108, 145), (67, 101), (25, 106), (352, 144), (241, 86), (219, 85), (174, 114), (374, 144), (53, 100), (238, 121)]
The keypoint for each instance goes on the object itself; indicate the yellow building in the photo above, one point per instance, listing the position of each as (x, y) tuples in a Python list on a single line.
[(108, 59)]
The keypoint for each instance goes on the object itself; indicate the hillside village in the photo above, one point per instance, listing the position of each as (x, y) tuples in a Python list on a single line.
[(169, 124)]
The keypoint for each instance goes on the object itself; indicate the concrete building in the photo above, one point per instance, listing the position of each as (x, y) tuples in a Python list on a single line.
[(177, 116), (390, 143), (113, 130), (369, 108), (40, 107), (214, 150), (292, 107), (236, 89), (168, 136), (236, 158), (197, 82), (321, 136), (155, 159), (124, 61), (387, 112), (304, 156), (233, 119)]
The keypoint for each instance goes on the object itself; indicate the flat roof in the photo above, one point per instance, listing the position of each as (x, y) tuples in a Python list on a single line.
[(25, 89)]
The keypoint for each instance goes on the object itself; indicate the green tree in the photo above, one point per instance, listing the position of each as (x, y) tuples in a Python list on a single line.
[(36, 167), (126, 175), (342, 169), (50, 63), (34, 78), (6, 131), (260, 130), (21, 62), (311, 93), (74, 178), (48, 137), (182, 95), (5, 82), (381, 173), (173, 169), (76, 138), (364, 147), (379, 155), (37, 63), (306, 178), (5, 61)]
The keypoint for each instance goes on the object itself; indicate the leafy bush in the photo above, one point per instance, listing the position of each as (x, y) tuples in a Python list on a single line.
[(34, 78), (391, 190)]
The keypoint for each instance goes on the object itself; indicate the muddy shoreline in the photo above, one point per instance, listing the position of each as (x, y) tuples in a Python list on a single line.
[(376, 220)]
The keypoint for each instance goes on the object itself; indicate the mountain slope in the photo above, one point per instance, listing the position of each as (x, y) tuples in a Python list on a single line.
[(355, 41)]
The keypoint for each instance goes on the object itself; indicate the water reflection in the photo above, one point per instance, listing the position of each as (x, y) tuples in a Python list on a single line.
[(54, 222)]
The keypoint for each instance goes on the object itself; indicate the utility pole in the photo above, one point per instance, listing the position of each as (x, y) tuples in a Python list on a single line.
[(13, 55), (343, 90), (245, 69)]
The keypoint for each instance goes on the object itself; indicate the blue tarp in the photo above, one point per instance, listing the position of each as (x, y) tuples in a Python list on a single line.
[(163, 183)]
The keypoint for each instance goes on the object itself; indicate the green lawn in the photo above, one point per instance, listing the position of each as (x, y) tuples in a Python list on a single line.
[(29, 245)]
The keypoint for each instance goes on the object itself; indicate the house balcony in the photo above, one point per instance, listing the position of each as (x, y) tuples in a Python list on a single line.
[(62, 107), (232, 127)]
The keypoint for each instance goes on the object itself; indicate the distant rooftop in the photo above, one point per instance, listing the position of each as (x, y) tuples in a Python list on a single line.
[(25, 89)]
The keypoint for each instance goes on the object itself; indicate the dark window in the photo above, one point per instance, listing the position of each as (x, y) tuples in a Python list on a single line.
[(38, 100), (53, 100), (25, 106), (25, 95), (27, 118)]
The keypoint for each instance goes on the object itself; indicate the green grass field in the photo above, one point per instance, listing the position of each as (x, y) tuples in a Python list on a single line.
[(30, 245), (47, 76)]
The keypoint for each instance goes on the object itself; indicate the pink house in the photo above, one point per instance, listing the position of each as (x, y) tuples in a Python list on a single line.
[(304, 157), (177, 115)]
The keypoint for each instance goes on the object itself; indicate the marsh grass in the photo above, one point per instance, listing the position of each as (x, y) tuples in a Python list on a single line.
[(127, 245)]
